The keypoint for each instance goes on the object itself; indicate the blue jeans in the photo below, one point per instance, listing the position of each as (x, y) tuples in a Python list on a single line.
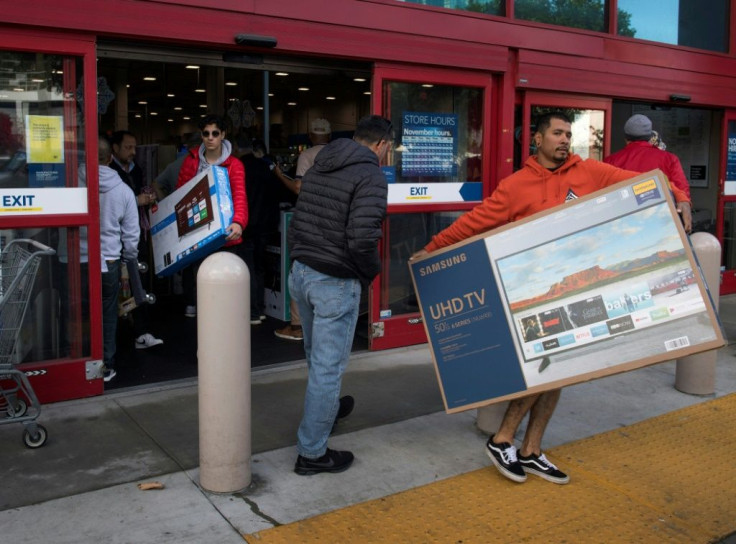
[(110, 290), (329, 312)]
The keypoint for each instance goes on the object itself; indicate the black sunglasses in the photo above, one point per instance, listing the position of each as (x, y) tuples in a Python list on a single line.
[(206, 133)]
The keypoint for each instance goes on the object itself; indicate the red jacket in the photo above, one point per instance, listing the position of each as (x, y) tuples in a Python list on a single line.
[(235, 172), (530, 190), (642, 156)]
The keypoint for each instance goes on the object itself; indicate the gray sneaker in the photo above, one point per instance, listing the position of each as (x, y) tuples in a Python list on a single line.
[(504, 457)]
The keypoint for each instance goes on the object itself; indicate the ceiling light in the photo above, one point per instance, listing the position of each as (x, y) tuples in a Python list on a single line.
[(177, 108), (330, 98), (170, 120), (367, 93), (291, 103), (192, 67), (259, 108), (281, 74), (303, 89), (427, 85), (270, 94), (203, 106), (153, 113), (186, 118), (231, 84), (359, 79), (138, 115), (142, 102), (170, 95), (199, 91), (149, 78), (37, 80)]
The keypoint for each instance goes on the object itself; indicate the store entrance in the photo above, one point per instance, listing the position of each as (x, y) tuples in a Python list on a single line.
[(160, 98)]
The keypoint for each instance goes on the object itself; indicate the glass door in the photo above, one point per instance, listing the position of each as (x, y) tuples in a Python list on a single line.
[(726, 211), (48, 197), (439, 168)]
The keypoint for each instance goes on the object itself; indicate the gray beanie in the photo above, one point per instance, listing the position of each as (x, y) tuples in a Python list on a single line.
[(638, 127)]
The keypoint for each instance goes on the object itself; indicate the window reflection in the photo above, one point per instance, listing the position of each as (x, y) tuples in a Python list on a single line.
[(692, 23), (405, 235), (39, 128)]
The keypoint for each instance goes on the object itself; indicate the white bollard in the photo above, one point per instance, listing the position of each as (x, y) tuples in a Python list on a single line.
[(489, 417), (696, 374), (223, 362)]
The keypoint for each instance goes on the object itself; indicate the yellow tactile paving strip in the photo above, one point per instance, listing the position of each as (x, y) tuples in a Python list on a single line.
[(667, 479)]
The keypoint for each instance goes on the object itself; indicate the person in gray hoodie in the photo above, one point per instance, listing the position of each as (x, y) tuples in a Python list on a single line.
[(119, 234)]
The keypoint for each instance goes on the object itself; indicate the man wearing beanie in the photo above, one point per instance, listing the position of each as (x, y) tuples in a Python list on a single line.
[(640, 155)]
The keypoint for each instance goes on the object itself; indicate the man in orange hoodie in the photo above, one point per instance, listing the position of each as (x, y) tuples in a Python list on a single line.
[(550, 178)]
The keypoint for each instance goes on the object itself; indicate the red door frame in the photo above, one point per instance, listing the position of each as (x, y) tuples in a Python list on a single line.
[(407, 329), (728, 277), (62, 379), (538, 98)]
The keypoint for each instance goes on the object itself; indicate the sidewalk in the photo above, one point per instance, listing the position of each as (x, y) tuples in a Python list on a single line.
[(81, 486)]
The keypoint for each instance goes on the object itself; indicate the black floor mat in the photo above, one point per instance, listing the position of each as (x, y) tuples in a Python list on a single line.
[(176, 358)]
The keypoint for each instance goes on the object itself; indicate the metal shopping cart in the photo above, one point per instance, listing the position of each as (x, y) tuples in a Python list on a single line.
[(19, 261)]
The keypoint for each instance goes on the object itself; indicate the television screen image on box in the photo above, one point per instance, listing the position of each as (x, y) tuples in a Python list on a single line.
[(194, 210)]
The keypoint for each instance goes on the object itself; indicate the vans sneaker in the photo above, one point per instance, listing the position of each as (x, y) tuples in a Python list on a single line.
[(504, 457), (147, 341), (540, 465), (108, 374)]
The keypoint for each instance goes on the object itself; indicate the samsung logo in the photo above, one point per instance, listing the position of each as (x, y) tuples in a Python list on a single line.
[(442, 264)]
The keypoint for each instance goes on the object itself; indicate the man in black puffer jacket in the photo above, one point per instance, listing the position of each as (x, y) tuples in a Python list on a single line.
[(333, 243)]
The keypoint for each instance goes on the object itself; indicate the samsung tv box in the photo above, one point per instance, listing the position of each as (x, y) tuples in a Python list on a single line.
[(600, 285), (191, 222)]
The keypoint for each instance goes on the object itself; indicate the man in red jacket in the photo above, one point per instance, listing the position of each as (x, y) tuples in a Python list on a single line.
[(550, 178), (641, 156)]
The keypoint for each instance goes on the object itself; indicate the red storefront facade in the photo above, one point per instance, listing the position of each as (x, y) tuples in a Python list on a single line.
[(489, 74)]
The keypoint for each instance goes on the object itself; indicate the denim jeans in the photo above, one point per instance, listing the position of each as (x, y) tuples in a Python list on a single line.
[(329, 312), (110, 290)]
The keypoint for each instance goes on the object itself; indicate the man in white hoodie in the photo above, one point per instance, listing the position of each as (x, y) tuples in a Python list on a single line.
[(119, 234)]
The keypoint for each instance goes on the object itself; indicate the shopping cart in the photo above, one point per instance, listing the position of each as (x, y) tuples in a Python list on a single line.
[(19, 261)]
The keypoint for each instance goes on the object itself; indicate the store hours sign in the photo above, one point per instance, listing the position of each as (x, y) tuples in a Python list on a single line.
[(430, 144)]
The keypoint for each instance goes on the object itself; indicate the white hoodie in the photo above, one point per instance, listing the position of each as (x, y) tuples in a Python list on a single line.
[(119, 228)]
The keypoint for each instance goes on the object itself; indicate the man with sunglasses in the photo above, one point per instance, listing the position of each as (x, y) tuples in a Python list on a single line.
[(333, 242), (214, 150)]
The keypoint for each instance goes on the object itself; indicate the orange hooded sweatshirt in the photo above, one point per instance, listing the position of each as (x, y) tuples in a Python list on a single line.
[(532, 189)]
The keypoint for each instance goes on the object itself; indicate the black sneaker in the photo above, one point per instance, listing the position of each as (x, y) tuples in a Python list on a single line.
[(331, 461), (540, 465), (504, 457)]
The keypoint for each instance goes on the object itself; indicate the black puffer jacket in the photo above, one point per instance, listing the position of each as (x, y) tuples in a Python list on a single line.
[(341, 206)]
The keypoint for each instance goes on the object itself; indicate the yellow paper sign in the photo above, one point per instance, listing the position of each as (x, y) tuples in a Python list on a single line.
[(44, 139)]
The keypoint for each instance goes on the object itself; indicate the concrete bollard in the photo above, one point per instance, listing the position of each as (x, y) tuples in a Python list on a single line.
[(696, 374), (223, 363), (489, 417)]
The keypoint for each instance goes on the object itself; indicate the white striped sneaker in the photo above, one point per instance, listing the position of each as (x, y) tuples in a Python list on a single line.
[(542, 467)]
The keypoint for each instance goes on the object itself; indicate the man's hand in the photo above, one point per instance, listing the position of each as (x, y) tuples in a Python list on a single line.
[(683, 208), (234, 231), (418, 254)]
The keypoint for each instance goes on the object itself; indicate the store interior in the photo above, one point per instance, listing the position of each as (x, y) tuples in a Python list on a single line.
[(160, 98)]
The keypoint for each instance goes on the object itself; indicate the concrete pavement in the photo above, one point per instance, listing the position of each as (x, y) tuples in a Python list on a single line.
[(82, 485)]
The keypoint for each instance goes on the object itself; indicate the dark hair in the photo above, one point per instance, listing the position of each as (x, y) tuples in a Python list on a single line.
[(118, 135), (259, 145), (372, 129), (212, 119), (545, 121)]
